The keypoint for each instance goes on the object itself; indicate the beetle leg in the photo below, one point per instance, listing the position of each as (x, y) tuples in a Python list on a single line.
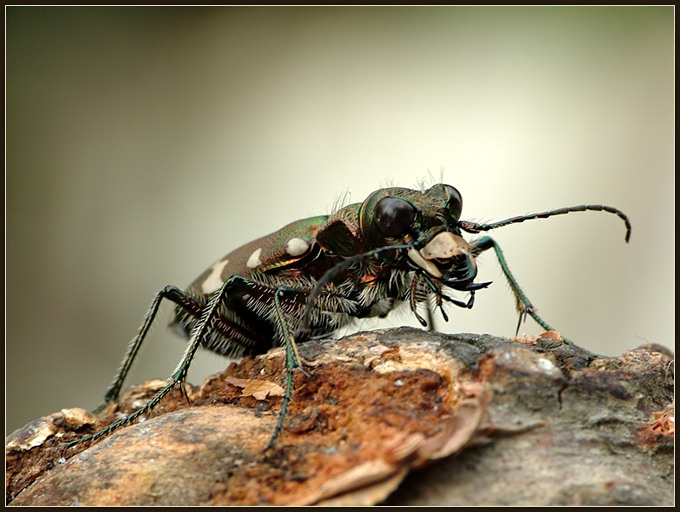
[(293, 359), (171, 293), (192, 309), (180, 372), (287, 334), (523, 304)]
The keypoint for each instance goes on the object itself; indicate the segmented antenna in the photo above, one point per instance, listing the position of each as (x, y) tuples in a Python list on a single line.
[(473, 227)]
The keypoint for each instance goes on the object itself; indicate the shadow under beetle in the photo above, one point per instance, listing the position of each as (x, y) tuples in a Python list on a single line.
[(316, 275)]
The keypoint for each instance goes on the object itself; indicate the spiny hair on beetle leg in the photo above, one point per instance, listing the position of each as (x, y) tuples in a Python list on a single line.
[(294, 281), (224, 346), (336, 303), (332, 297), (399, 280)]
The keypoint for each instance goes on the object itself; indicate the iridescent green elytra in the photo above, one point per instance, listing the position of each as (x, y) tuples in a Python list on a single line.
[(315, 275)]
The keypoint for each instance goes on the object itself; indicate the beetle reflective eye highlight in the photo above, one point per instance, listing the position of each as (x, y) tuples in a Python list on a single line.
[(455, 204), (394, 216)]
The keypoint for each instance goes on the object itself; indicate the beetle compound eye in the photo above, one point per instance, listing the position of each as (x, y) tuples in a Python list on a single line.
[(455, 203), (394, 216)]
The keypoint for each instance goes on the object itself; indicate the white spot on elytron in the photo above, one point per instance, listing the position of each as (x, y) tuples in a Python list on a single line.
[(214, 280), (254, 259), (296, 246)]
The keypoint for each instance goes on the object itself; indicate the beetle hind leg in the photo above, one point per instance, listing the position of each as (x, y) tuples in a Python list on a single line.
[(171, 293), (180, 372)]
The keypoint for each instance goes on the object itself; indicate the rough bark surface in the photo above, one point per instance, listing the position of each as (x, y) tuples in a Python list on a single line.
[(401, 417)]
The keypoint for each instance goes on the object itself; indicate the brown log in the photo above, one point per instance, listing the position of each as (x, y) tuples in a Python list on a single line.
[(400, 417)]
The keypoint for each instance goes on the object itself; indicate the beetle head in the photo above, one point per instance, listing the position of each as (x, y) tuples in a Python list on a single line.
[(428, 222)]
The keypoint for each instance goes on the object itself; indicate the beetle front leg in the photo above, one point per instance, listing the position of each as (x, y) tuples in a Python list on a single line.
[(523, 304)]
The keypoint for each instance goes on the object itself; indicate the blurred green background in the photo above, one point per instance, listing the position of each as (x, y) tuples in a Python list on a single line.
[(144, 143)]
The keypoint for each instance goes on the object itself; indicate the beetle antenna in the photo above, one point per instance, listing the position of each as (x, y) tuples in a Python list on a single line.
[(473, 227)]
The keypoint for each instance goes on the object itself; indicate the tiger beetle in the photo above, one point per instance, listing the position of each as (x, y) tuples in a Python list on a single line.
[(316, 275)]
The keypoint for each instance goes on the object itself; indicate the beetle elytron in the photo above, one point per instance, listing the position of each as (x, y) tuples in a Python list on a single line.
[(315, 275)]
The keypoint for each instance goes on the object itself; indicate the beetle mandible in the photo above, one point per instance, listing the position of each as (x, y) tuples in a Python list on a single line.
[(316, 275)]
